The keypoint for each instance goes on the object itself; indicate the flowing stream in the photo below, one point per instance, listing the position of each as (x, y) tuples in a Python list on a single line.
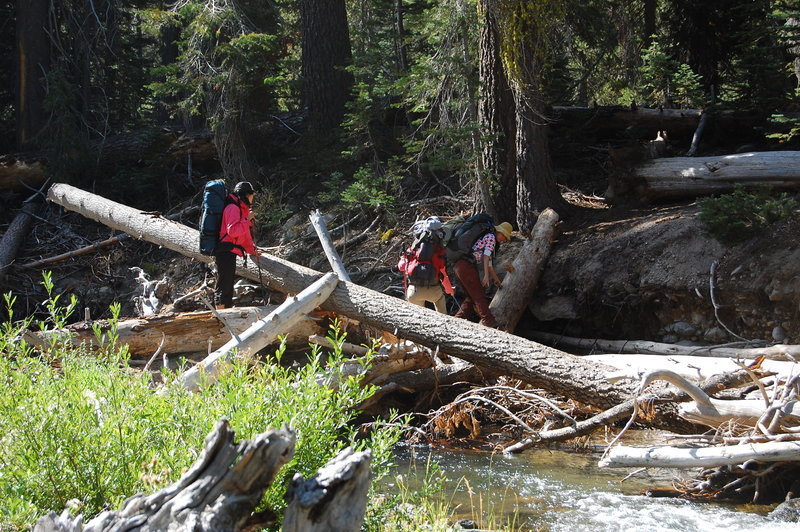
[(550, 490)]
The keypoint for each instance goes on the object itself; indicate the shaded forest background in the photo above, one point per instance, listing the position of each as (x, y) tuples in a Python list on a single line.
[(368, 104)]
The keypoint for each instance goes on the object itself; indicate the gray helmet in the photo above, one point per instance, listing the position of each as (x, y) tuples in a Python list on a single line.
[(243, 188)]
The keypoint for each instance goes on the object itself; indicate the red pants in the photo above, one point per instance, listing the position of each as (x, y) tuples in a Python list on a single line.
[(467, 275)]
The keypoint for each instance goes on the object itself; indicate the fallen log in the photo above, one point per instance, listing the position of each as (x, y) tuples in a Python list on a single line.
[(521, 279), (20, 171), (592, 345), (16, 233), (623, 456), (263, 332), (533, 363), (188, 332), (219, 492), (688, 177), (687, 366), (334, 499)]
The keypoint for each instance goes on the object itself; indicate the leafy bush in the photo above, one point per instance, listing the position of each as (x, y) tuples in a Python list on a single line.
[(744, 213), (85, 432)]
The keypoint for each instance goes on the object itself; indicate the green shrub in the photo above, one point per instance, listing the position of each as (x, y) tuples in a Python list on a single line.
[(86, 432), (744, 213)]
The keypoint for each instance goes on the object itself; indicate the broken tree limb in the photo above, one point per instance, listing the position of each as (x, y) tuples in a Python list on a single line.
[(593, 345), (219, 492), (334, 499), (520, 281), (264, 331), (623, 456), (687, 177), (187, 332), (327, 246), (531, 362), (76, 253)]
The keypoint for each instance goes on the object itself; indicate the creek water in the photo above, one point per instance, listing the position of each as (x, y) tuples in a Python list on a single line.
[(551, 490)]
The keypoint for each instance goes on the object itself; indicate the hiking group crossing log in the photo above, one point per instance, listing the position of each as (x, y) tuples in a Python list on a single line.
[(533, 363)]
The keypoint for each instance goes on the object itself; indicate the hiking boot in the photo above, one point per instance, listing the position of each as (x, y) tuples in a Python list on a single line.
[(489, 322)]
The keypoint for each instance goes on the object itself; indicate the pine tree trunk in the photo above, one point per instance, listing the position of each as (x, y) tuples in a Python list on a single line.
[(33, 52), (326, 52)]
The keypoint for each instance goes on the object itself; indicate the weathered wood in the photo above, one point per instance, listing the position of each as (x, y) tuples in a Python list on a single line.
[(16, 233), (219, 492), (327, 246), (19, 171), (593, 345), (687, 366), (264, 331), (334, 499), (687, 177), (623, 456), (521, 279), (536, 364), (187, 332)]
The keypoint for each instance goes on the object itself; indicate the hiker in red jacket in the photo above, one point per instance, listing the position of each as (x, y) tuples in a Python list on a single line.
[(235, 239)]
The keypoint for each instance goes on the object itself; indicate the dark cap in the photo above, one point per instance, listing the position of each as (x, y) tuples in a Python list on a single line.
[(243, 188)]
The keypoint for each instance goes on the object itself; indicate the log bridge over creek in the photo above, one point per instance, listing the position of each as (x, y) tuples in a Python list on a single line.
[(496, 351)]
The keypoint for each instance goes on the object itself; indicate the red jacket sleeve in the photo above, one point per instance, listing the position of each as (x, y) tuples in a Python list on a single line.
[(236, 228)]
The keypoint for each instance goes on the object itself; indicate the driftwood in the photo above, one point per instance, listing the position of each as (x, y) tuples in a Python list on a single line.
[(263, 332), (536, 364), (593, 345), (686, 366), (623, 456), (188, 332), (333, 500), (16, 233), (521, 279), (687, 177), (327, 246), (219, 492)]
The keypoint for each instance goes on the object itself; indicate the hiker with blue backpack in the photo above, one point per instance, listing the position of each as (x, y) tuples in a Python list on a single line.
[(424, 268), (226, 232), (473, 245)]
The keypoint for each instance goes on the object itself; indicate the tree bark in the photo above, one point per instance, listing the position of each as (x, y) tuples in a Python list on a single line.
[(263, 332), (687, 177), (520, 281), (219, 492), (536, 364), (325, 55), (16, 233), (333, 500), (188, 332), (33, 54), (327, 245)]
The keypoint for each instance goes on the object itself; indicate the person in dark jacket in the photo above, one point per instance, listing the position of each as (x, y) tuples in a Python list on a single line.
[(235, 239)]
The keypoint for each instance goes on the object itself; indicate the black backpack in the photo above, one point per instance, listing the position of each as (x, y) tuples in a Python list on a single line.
[(464, 235), (215, 199)]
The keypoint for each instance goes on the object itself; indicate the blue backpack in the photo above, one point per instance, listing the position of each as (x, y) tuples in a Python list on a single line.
[(215, 198)]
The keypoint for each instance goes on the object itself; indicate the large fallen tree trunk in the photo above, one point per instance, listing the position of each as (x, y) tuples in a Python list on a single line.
[(520, 281), (188, 332), (687, 177), (536, 364)]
